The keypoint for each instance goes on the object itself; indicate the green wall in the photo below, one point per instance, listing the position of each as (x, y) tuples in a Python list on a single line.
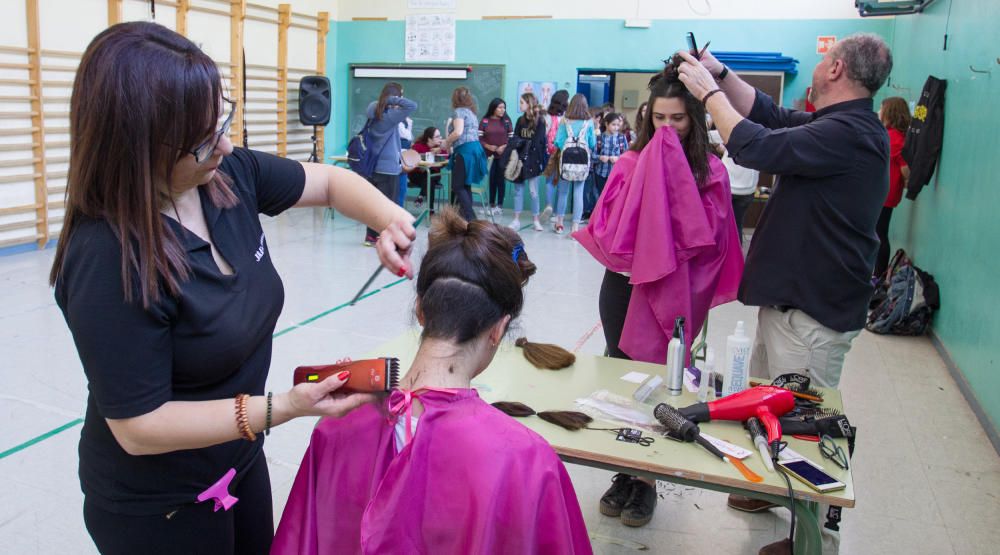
[(950, 229), (553, 50)]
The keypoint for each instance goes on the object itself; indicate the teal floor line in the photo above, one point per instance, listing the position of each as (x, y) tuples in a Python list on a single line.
[(305, 322), (40, 438)]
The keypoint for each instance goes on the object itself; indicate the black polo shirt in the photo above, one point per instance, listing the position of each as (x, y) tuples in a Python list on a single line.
[(211, 342), (815, 245)]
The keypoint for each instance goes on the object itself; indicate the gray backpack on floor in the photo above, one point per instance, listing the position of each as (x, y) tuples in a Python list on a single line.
[(911, 297)]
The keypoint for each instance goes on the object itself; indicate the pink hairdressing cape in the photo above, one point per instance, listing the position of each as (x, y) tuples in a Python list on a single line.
[(471, 480), (679, 244)]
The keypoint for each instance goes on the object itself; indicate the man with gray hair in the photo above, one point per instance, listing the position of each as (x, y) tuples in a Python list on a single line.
[(810, 262)]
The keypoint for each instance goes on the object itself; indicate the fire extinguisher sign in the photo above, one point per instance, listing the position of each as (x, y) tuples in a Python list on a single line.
[(825, 43)]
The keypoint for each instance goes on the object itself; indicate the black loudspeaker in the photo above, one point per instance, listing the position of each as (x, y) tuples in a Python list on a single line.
[(314, 100)]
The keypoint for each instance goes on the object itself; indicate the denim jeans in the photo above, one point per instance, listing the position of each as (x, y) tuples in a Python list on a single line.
[(577, 199), (533, 185)]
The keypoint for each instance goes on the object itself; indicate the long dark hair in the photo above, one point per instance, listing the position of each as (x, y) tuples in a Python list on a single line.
[(696, 146), (427, 135), (143, 97), (478, 266), (494, 104), (389, 89), (559, 102)]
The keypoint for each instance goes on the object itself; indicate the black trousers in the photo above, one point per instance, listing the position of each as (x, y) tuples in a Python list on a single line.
[(462, 192), (498, 185), (246, 528), (388, 185), (882, 230), (740, 205), (613, 305)]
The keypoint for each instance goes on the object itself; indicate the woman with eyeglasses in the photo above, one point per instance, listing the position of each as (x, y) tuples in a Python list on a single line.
[(165, 280)]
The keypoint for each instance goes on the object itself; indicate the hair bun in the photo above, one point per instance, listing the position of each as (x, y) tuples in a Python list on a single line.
[(669, 72), (447, 225)]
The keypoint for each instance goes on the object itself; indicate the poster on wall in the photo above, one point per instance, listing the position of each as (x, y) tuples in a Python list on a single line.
[(430, 38), (542, 90), (825, 43), (431, 4)]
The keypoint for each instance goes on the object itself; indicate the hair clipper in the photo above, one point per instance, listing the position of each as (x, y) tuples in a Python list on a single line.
[(373, 375)]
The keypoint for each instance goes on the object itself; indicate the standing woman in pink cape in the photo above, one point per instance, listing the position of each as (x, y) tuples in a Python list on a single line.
[(436, 469), (664, 229)]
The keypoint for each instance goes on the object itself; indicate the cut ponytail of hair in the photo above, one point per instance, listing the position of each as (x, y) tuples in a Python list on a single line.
[(545, 355), (568, 419)]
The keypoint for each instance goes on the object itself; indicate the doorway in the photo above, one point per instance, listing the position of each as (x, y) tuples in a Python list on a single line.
[(597, 86)]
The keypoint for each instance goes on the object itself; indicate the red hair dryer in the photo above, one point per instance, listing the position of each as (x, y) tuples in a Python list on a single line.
[(765, 402)]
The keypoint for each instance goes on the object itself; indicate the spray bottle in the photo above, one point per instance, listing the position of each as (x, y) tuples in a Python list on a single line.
[(737, 365), (675, 359)]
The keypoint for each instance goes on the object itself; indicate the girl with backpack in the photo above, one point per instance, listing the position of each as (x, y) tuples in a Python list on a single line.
[(529, 143), (468, 160), (575, 141), (495, 130), (552, 117), (385, 115)]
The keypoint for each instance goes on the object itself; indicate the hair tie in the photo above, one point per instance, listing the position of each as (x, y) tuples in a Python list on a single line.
[(518, 251)]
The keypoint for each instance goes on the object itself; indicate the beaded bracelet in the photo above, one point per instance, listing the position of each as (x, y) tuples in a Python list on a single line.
[(242, 420), (267, 421)]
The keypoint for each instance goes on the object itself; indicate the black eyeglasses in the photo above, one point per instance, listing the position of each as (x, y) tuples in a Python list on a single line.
[(832, 451), (204, 151)]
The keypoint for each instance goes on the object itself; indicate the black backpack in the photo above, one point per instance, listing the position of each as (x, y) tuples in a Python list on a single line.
[(905, 299)]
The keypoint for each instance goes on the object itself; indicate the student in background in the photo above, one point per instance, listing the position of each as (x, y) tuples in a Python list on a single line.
[(429, 141), (495, 130), (742, 181), (468, 160), (529, 142), (552, 117), (627, 129), (386, 114), (640, 118), (576, 124), (405, 142), (611, 144), (895, 116)]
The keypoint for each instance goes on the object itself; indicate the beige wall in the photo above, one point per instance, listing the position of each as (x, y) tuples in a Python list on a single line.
[(602, 9), (634, 82)]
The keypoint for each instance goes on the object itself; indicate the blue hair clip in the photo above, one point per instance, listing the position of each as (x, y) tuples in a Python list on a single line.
[(518, 251)]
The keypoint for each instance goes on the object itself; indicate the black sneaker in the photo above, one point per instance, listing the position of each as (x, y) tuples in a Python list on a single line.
[(638, 510), (617, 495)]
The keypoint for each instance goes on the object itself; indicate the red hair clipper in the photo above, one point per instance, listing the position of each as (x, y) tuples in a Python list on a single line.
[(373, 375)]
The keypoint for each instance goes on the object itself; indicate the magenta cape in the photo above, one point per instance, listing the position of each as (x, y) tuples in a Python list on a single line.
[(472, 480), (678, 243)]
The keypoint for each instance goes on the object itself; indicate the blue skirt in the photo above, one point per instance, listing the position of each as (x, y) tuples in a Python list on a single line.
[(474, 158)]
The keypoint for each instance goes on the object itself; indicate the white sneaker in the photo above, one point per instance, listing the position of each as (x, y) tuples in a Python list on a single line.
[(545, 213), (576, 227), (537, 225), (515, 225)]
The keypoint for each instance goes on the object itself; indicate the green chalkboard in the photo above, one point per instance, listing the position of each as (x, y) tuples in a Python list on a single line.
[(486, 82)]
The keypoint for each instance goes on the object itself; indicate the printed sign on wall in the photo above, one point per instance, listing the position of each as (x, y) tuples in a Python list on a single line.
[(543, 91), (430, 38), (825, 43)]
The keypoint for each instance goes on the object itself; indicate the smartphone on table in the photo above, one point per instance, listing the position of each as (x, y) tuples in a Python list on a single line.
[(812, 475)]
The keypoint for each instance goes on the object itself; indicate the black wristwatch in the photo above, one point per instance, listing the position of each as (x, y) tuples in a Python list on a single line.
[(722, 74)]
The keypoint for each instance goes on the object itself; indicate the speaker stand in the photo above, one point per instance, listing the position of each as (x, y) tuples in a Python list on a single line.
[(313, 157)]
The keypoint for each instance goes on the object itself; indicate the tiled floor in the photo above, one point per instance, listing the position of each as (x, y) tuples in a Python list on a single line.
[(928, 481)]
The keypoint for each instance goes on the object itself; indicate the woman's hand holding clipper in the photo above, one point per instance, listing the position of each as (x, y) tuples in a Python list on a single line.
[(319, 399)]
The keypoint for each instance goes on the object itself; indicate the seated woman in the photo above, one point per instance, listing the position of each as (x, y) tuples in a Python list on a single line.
[(429, 141), (433, 468)]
